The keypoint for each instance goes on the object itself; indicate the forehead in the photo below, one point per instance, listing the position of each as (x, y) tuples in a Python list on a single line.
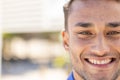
[(100, 11)]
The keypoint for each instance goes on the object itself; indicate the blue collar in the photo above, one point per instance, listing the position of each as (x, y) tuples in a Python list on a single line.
[(71, 77)]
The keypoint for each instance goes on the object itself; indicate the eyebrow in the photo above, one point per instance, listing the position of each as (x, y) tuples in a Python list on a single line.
[(85, 25), (113, 24)]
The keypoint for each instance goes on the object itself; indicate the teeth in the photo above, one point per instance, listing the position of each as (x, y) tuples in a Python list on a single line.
[(93, 61)]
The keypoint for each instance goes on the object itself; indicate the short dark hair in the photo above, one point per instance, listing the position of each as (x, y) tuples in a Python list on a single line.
[(66, 9), (66, 12)]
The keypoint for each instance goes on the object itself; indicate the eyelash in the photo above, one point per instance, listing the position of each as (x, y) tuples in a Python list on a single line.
[(113, 33), (88, 35), (85, 33)]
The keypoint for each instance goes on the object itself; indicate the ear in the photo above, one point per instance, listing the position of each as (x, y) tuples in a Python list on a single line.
[(65, 37)]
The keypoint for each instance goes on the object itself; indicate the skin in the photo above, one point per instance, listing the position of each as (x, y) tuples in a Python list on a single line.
[(94, 33)]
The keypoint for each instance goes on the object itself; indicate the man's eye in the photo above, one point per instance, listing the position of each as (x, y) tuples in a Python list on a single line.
[(113, 33), (85, 33)]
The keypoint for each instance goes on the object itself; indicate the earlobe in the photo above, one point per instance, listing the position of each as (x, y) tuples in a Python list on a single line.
[(65, 39)]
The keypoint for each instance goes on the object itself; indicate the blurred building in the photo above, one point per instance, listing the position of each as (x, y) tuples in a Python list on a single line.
[(25, 21), (32, 41), (32, 15)]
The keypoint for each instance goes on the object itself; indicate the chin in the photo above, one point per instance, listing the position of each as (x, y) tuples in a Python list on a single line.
[(102, 76), (99, 75)]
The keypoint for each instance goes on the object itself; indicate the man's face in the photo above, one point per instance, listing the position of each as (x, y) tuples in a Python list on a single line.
[(93, 40)]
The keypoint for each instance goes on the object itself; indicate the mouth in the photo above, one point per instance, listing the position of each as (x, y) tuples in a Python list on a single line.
[(100, 62)]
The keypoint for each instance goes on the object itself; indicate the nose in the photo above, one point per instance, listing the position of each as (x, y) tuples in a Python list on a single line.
[(100, 47)]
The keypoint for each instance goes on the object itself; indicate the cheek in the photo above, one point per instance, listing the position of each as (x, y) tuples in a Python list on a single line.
[(76, 48), (75, 59), (80, 43), (116, 44)]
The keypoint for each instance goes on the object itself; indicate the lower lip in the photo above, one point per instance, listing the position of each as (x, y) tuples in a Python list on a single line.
[(101, 65)]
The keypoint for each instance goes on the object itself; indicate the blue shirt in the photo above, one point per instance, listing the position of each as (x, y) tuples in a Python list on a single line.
[(71, 77)]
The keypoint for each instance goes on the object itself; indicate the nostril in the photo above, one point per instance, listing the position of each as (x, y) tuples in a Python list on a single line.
[(100, 52), (100, 47)]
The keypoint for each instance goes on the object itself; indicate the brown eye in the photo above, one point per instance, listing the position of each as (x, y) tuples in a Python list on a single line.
[(113, 33), (85, 33)]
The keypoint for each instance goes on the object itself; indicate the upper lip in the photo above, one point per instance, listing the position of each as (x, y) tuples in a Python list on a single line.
[(100, 58)]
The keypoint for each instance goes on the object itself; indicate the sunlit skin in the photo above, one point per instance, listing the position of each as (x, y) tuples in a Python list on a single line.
[(94, 33)]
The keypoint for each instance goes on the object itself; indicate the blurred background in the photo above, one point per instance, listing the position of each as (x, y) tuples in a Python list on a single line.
[(32, 46)]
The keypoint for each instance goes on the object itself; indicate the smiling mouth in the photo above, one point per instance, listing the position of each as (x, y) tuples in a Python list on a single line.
[(100, 62)]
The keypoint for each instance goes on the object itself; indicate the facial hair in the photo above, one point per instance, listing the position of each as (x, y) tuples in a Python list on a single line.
[(84, 76)]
